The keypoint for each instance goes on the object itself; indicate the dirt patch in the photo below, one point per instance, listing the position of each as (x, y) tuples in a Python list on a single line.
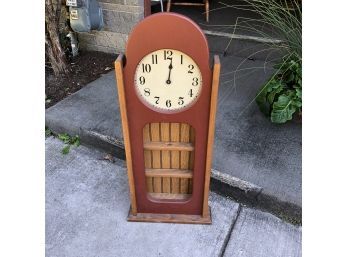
[(85, 68)]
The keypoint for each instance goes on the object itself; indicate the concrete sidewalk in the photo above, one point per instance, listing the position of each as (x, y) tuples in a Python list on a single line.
[(255, 161), (87, 203)]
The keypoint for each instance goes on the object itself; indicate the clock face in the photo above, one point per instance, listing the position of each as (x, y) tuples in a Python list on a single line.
[(168, 80)]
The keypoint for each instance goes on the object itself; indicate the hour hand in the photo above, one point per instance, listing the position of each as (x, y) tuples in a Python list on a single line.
[(170, 70)]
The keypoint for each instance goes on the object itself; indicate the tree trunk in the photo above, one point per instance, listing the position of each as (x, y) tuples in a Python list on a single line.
[(54, 49)]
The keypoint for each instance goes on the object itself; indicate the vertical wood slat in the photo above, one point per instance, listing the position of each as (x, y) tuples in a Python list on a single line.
[(156, 156), (165, 155), (125, 129), (147, 157), (175, 156), (192, 158), (184, 156), (211, 132)]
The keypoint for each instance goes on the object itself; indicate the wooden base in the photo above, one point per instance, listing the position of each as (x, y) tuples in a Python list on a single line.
[(170, 218)]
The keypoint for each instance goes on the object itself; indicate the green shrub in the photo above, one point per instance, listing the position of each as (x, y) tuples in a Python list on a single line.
[(281, 96)]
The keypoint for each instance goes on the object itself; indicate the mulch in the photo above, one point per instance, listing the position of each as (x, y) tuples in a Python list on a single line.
[(86, 67)]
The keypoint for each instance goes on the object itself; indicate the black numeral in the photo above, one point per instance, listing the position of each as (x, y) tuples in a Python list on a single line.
[(146, 68), (191, 67), (168, 54), (190, 93), (168, 103), (195, 82), (181, 59), (154, 59), (157, 99), (181, 100), (142, 80), (146, 91)]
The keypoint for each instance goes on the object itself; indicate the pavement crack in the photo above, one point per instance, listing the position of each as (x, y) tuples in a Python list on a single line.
[(228, 237)]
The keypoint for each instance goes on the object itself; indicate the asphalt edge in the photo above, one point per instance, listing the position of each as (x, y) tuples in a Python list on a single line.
[(244, 192)]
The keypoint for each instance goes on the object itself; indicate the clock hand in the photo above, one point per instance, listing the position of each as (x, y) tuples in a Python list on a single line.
[(170, 70)]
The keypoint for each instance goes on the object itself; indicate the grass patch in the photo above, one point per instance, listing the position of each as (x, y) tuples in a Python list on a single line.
[(67, 139)]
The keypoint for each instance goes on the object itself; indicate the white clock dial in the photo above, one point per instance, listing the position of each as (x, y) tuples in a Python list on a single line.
[(168, 80)]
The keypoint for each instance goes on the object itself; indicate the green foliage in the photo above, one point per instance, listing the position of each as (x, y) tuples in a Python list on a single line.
[(285, 16), (66, 149), (48, 132), (69, 141), (64, 137), (280, 19), (281, 96)]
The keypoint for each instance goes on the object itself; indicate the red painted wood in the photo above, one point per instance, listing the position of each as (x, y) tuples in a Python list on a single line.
[(171, 31)]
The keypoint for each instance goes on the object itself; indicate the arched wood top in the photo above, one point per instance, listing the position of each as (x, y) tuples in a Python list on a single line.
[(167, 30)]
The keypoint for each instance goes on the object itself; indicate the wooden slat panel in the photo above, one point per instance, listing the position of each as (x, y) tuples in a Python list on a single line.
[(165, 155), (170, 196), (170, 146), (156, 155), (168, 173), (175, 156), (184, 156), (147, 158), (184, 183)]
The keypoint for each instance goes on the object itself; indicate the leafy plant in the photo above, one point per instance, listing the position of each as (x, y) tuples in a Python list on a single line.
[(69, 141), (281, 96)]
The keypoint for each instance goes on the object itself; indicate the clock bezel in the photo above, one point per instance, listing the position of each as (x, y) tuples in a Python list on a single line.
[(163, 110)]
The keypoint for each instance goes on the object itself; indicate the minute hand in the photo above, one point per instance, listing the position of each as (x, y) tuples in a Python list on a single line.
[(170, 71)]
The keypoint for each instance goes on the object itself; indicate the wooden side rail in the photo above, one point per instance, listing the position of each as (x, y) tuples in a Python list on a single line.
[(123, 110)]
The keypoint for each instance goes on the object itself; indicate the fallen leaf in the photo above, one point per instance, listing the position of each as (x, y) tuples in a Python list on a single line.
[(109, 157)]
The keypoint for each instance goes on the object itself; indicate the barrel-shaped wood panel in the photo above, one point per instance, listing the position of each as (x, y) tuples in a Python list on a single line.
[(169, 150)]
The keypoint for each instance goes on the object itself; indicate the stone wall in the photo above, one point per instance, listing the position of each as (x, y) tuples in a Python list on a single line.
[(120, 16)]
